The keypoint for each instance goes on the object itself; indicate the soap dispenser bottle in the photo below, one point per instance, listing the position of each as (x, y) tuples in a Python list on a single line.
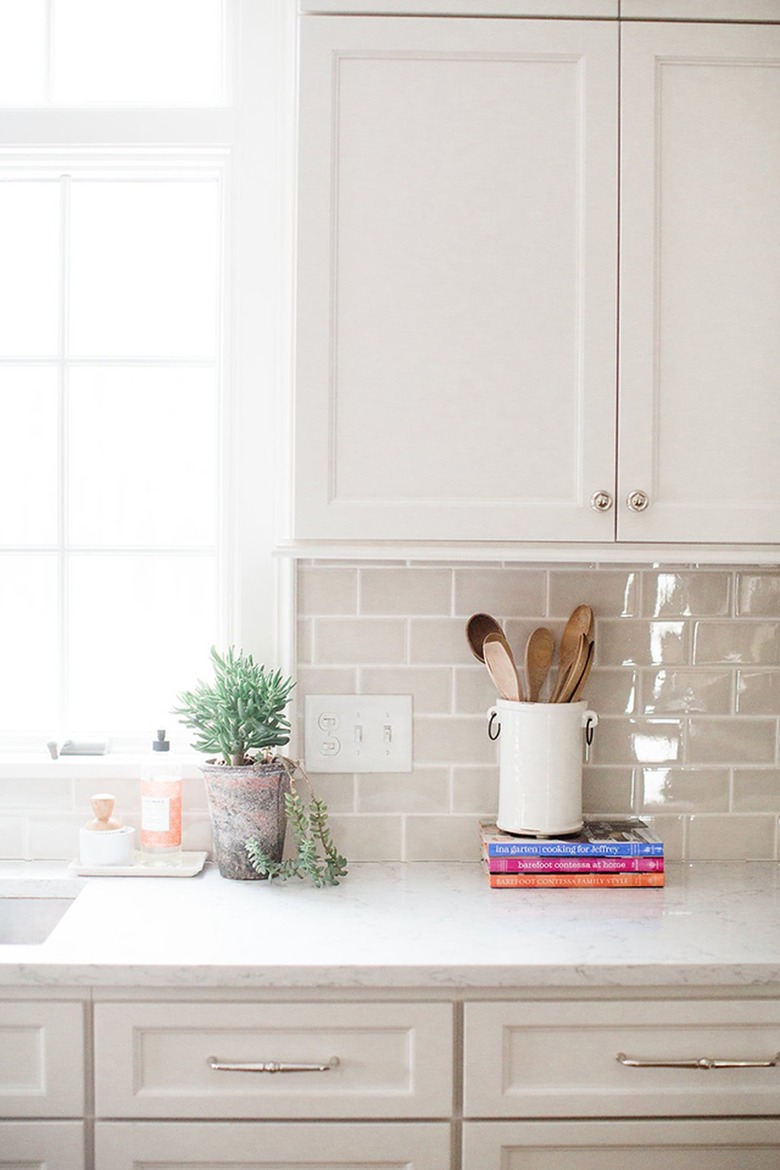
[(160, 807)]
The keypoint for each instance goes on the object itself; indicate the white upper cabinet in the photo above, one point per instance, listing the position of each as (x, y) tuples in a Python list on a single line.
[(457, 279), (458, 370), (700, 283)]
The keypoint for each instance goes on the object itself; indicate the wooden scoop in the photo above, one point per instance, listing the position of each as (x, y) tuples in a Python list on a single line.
[(580, 687), (501, 667), (478, 627), (566, 689), (539, 652), (580, 622)]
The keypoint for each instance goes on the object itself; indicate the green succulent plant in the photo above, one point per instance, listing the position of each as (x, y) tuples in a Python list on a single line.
[(241, 712)]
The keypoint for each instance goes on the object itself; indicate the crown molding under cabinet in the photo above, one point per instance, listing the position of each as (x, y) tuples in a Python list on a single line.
[(557, 553)]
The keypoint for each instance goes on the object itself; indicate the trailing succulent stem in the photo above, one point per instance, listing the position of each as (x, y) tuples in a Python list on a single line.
[(242, 711), (316, 857)]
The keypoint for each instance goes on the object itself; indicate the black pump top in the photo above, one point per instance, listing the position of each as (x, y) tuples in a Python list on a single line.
[(161, 744)]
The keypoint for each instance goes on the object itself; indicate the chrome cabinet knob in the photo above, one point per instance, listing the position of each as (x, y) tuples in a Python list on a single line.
[(638, 501), (601, 501)]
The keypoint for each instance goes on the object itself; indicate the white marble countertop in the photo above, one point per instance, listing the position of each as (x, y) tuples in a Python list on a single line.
[(421, 925)]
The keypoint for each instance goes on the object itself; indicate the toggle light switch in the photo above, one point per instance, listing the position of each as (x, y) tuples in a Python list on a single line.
[(374, 733)]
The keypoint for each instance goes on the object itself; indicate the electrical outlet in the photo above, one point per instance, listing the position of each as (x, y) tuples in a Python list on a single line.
[(358, 733)]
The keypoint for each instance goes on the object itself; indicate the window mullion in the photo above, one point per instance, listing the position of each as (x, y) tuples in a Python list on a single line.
[(63, 385)]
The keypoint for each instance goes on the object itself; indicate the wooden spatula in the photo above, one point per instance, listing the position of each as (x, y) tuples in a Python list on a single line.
[(539, 652), (501, 667)]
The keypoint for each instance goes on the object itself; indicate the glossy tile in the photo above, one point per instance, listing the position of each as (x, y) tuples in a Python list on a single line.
[(731, 741), (680, 691), (500, 591), (606, 790), (682, 790), (672, 831), (610, 592), (686, 594), (758, 594), (637, 741), (756, 790), (612, 691), (731, 838), (736, 642), (758, 692), (634, 643)]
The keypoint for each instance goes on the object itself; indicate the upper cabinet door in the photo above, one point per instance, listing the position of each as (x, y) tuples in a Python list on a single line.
[(457, 279), (700, 283)]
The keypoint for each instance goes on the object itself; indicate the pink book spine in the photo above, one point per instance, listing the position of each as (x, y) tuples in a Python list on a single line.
[(576, 864)]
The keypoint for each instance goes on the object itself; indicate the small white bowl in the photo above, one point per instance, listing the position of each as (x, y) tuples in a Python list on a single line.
[(107, 847)]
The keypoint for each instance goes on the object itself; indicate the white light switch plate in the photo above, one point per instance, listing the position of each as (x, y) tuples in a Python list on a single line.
[(358, 733)]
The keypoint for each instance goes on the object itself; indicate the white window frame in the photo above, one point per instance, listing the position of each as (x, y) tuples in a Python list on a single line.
[(250, 141)]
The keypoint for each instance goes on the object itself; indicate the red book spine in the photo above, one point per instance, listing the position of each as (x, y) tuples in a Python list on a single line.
[(573, 880)]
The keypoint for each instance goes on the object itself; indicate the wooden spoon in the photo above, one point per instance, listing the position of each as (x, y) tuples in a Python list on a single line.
[(478, 627), (573, 674), (580, 622), (539, 652), (501, 667), (584, 676)]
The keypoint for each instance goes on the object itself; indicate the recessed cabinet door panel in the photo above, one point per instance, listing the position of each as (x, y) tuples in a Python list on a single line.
[(41, 1059), (456, 285), (391, 1060), (616, 1145), (259, 1146), (700, 283), (41, 1145)]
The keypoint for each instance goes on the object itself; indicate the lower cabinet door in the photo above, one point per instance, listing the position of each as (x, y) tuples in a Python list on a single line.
[(197, 1145), (618, 1145), (41, 1145)]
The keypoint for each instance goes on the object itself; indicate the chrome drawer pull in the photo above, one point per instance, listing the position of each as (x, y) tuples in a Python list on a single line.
[(704, 1062), (270, 1066)]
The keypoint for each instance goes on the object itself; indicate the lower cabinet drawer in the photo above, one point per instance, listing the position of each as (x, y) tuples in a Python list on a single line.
[(41, 1059), (363, 1060), (619, 1145), (268, 1146), (625, 1058), (52, 1145)]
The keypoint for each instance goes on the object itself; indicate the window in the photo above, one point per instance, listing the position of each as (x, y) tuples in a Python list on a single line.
[(138, 157)]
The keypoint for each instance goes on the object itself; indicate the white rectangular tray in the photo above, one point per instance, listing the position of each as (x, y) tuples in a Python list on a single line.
[(191, 863)]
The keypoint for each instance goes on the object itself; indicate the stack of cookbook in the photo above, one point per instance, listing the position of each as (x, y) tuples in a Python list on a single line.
[(612, 853)]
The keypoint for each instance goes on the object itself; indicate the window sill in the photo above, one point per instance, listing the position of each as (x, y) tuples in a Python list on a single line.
[(114, 765)]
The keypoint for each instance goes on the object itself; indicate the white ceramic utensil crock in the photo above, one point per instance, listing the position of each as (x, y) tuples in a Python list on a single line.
[(541, 747)]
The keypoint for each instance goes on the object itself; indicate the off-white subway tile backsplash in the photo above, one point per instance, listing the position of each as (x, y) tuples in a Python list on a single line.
[(686, 683)]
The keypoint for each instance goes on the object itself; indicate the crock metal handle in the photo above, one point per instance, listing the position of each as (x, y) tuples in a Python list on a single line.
[(493, 719)]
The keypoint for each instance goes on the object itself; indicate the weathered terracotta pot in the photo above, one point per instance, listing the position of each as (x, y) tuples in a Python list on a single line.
[(245, 802)]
